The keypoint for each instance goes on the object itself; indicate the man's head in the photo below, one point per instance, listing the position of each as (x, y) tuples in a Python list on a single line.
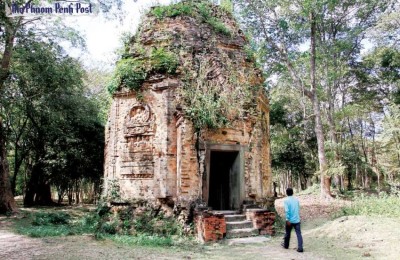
[(289, 191)]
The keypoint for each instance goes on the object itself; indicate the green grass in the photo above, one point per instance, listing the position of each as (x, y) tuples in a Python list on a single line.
[(172, 10), (132, 72), (45, 231), (207, 17), (142, 240), (312, 190), (219, 26), (205, 110), (382, 205), (163, 61), (107, 231), (144, 230), (52, 218), (192, 9), (49, 224)]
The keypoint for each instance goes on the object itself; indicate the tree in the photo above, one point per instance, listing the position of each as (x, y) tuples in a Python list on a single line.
[(389, 150), (331, 29), (64, 132), (9, 28), (293, 142), (12, 29), (386, 31), (267, 21)]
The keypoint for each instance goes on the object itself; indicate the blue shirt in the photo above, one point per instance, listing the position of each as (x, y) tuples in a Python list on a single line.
[(292, 209)]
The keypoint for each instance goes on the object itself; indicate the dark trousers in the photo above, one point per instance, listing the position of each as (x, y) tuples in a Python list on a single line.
[(288, 230)]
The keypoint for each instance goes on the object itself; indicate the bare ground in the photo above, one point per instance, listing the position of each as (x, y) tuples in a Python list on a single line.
[(343, 238)]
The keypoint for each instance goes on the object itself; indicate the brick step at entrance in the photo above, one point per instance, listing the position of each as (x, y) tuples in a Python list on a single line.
[(239, 225), (243, 232), (235, 218)]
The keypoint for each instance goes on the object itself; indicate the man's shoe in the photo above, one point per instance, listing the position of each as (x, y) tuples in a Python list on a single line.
[(300, 250), (283, 245)]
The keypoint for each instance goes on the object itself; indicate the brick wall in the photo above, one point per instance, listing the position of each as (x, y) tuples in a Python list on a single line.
[(209, 226), (152, 148), (262, 219)]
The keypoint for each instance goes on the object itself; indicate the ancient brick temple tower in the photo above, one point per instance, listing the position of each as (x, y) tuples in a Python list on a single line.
[(189, 121)]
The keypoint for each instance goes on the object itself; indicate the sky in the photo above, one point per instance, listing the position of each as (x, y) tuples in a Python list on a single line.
[(103, 35)]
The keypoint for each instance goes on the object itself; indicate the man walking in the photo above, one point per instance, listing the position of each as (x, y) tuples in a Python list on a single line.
[(292, 212)]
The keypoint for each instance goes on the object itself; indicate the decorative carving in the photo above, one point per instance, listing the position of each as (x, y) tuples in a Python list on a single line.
[(137, 159), (139, 170), (137, 176), (139, 121)]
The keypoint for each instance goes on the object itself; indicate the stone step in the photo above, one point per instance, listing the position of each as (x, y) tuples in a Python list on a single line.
[(243, 232), (226, 212), (235, 218), (238, 225)]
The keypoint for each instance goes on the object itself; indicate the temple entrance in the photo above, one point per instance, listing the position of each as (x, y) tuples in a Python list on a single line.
[(224, 180)]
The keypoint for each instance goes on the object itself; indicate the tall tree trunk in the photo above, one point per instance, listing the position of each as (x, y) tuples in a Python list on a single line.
[(77, 192), (60, 197), (18, 156), (29, 199), (325, 180), (16, 170), (374, 162), (70, 195), (43, 195), (332, 129), (349, 179), (7, 202), (18, 159), (38, 191), (332, 134), (357, 177), (335, 142)]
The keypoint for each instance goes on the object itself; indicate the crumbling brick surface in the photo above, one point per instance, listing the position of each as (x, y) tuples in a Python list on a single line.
[(263, 220), (153, 150), (209, 226)]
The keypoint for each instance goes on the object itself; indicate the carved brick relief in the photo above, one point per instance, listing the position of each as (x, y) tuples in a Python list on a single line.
[(137, 159), (139, 122)]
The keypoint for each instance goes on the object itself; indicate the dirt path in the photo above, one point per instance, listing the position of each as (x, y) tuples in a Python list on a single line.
[(14, 246), (343, 238)]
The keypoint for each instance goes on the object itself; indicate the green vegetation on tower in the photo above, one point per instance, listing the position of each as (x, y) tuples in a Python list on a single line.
[(132, 72), (201, 10)]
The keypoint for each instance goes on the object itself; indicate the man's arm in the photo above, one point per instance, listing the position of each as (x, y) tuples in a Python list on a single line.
[(286, 205)]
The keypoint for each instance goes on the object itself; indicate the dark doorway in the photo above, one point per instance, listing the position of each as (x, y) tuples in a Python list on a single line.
[(224, 187)]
